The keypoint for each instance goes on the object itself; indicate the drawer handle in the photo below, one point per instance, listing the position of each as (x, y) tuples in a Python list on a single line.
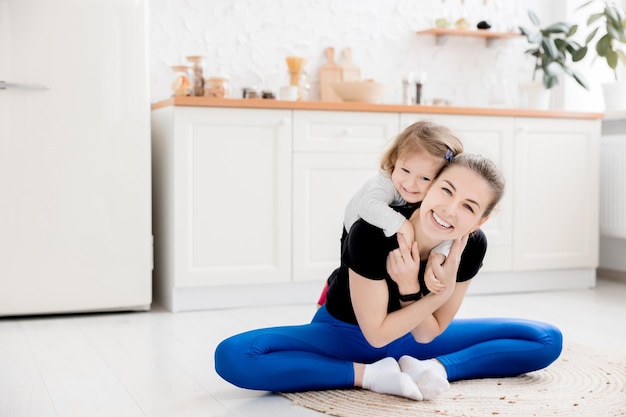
[(5, 85)]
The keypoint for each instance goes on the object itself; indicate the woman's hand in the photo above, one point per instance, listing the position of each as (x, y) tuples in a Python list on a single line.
[(403, 266)]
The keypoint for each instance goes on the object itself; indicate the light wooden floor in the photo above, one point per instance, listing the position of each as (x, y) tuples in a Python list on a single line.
[(161, 364)]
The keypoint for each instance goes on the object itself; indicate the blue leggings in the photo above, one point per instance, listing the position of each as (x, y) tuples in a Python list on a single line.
[(320, 355)]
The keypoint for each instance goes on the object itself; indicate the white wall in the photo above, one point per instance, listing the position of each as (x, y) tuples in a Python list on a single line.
[(596, 71), (249, 39)]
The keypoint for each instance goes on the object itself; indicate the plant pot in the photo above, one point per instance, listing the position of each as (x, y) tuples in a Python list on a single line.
[(614, 95), (534, 95)]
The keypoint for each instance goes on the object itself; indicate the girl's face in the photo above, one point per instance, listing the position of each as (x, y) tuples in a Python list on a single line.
[(413, 173), (455, 204)]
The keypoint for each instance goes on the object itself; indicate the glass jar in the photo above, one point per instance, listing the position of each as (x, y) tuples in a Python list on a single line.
[(251, 92), (268, 95), (217, 87), (300, 80), (181, 86), (197, 63)]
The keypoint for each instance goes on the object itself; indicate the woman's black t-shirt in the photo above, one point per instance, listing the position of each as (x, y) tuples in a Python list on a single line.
[(365, 250)]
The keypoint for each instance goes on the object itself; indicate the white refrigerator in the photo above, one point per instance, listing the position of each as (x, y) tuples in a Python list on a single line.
[(75, 191)]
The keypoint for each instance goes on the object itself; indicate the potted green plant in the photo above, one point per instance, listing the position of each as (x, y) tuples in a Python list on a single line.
[(609, 33), (608, 39), (554, 51)]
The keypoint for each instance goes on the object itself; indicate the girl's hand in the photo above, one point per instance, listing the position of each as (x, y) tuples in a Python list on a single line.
[(433, 284), (446, 272), (408, 232), (403, 266)]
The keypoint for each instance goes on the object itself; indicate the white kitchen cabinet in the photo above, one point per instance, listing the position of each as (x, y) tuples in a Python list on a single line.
[(248, 203), (556, 191), (222, 201), (335, 153)]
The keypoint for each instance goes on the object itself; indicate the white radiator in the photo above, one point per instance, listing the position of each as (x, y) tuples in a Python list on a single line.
[(613, 186)]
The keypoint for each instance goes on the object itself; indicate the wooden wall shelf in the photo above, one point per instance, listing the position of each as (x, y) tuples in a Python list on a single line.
[(442, 34)]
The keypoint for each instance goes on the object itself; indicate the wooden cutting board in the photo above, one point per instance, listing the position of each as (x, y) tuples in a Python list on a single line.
[(349, 71), (330, 72)]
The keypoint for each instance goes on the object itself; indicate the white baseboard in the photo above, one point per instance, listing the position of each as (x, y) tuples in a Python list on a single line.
[(512, 282), (210, 298)]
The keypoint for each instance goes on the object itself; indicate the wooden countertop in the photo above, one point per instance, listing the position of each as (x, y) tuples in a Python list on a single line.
[(391, 108)]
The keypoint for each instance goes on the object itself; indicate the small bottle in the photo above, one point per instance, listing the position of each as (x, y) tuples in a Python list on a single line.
[(408, 92), (217, 87), (181, 86), (197, 67), (420, 77), (418, 93)]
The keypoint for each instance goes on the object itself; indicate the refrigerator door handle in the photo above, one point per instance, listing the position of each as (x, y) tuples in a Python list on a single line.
[(4, 85)]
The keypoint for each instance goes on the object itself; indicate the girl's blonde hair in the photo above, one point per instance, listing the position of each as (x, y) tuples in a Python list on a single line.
[(428, 136), (488, 170)]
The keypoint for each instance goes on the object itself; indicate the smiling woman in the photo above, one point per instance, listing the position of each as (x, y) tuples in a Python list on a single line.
[(381, 328)]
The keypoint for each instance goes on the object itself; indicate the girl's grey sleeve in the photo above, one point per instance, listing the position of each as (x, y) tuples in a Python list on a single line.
[(443, 248), (373, 206)]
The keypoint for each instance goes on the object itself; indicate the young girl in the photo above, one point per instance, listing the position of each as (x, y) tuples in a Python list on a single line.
[(380, 328), (407, 169)]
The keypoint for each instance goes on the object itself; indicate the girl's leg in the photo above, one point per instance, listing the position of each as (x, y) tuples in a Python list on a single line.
[(490, 347)]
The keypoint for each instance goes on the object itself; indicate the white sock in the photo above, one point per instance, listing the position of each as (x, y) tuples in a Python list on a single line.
[(429, 375), (386, 377)]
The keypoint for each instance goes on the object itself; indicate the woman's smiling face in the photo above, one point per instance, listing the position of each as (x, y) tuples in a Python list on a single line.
[(455, 203)]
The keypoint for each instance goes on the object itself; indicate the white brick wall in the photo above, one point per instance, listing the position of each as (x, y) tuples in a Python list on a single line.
[(248, 40)]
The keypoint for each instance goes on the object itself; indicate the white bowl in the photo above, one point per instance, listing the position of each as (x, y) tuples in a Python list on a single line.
[(367, 91)]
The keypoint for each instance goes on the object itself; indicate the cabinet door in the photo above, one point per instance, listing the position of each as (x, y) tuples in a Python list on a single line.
[(334, 154), (322, 186), (556, 193), (492, 137), (233, 196)]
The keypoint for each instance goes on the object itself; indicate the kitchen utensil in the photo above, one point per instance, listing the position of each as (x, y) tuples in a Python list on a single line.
[(367, 91), (297, 76), (329, 73), (295, 64), (349, 71)]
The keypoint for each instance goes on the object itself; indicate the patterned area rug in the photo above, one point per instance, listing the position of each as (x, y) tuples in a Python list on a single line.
[(582, 382)]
